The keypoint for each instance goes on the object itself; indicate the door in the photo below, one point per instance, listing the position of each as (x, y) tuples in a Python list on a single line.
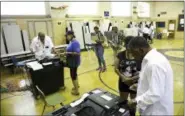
[(171, 28)]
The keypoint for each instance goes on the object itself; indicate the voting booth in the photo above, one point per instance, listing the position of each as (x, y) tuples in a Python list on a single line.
[(14, 42), (77, 28)]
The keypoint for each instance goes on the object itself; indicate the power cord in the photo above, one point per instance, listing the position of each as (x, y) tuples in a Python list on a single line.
[(8, 92), (100, 77)]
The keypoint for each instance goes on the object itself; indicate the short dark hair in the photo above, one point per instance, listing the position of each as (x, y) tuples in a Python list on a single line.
[(41, 34), (127, 40), (70, 33), (128, 26), (114, 27), (138, 42), (96, 27)]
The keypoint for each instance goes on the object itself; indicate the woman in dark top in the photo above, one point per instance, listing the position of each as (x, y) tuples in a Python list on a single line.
[(73, 60), (127, 69)]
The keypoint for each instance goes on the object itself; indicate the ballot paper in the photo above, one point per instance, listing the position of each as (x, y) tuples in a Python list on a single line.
[(106, 97), (34, 65), (74, 104), (121, 110), (97, 91), (47, 63)]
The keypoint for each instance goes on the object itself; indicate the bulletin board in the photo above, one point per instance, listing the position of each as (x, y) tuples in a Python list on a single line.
[(160, 24), (171, 28), (181, 22)]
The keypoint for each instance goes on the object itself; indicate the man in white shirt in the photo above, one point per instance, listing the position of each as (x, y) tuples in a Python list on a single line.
[(155, 85), (42, 46), (146, 32), (151, 32), (140, 29), (128, 31)]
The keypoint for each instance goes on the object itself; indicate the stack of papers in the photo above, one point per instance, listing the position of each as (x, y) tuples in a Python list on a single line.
[(48, 63), (96, 91), (34, 65)]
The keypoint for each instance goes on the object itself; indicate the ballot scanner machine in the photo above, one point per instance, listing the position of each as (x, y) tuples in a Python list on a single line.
[(95, 103)]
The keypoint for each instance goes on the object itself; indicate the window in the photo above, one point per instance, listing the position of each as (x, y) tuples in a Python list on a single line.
[(23, 8), (83, 8), (143, 9), (121, 9)]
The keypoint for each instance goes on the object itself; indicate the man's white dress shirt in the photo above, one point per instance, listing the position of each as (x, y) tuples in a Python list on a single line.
[(42, 51), (146, 30), (155, 86)]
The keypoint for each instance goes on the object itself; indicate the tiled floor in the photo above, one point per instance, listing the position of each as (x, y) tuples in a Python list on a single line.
[(23, 103)]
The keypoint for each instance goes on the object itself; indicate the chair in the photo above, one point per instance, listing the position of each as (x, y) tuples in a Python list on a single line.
[(51, 100), (17, 64)]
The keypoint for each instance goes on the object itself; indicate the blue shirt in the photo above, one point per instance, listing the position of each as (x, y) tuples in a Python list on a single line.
[(73, 60)]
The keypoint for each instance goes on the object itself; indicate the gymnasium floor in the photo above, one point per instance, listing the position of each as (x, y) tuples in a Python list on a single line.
[(23, 103)]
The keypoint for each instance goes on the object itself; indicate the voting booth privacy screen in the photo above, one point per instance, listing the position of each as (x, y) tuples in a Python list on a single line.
[(3, 51), (13, 40), (12, 34)]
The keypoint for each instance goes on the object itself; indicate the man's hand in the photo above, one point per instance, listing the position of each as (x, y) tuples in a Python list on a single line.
[(133, 87), (135, 78), (57, 54), (132, 104), (54, 50), (63, 54), (127, 80)]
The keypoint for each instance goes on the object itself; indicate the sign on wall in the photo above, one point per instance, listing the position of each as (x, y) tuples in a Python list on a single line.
[(181, 22), (106, 14)]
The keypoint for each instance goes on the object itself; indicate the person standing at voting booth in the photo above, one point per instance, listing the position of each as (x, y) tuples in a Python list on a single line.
[(73, 60), (127, 69), (155, 85), (140, 30), (146, 32), (131, 24), (99, 49), (42, 46), (116, 41), (151, 28)]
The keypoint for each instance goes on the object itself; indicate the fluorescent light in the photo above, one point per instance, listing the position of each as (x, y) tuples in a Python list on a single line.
[(23, 8)]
